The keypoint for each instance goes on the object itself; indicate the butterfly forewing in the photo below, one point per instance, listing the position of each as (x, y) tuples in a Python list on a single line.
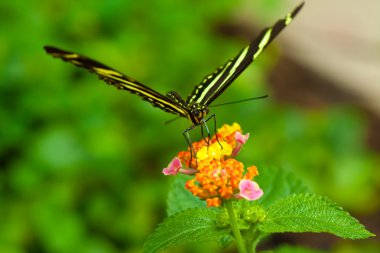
[(214, 84), (120, 80)]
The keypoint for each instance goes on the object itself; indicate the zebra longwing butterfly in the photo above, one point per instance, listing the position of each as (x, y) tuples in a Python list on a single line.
[(195, 108)]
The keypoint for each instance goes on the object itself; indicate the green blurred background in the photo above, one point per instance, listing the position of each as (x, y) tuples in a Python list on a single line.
[(80, 161)]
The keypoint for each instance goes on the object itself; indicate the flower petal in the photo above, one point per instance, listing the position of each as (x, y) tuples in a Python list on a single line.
[(214, 151), (173, 167), (240, 140), (226, 130), (213, 202), (249, 190)]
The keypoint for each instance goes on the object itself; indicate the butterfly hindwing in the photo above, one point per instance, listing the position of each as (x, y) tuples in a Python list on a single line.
[(119, 80), (214, 84)]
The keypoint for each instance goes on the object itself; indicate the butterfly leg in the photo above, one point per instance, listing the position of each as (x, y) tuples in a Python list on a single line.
[(216, 134), (189, 143), (207, 140)]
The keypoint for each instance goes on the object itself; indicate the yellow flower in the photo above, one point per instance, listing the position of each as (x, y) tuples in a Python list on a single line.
[(214, 151), (226, 130)]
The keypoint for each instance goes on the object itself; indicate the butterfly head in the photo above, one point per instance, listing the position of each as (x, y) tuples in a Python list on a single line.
[(197, 113)]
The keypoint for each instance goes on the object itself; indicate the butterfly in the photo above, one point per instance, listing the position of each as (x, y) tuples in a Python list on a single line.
[(195, 107)]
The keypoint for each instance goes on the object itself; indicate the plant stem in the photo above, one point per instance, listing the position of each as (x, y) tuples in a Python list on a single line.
[(233, 222), (253, 236)]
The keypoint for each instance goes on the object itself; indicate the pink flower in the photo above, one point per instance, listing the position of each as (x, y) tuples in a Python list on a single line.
[(240, 140), (173, 167), (249, 190)]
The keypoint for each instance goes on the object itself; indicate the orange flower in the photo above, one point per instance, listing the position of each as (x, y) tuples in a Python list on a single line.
[(217, 176)]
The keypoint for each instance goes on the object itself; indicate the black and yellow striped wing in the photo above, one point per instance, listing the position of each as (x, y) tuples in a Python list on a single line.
[(214, 84), (121, 81), (195, 108)]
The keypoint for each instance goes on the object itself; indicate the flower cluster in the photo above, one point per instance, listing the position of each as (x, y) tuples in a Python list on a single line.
[(218, 175)]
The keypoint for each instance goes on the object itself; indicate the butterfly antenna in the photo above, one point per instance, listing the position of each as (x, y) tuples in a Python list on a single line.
[(171, 120), (235, 102)]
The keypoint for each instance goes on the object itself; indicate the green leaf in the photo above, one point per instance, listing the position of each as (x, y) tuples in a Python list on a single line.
[(180, 199), (277, 184), (225, 241), (193, 225), (312, 213)]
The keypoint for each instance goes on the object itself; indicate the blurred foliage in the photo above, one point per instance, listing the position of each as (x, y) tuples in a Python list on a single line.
[(80, 161)]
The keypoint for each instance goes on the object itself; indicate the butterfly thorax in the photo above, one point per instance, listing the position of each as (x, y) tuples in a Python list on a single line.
[(195, 112)]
